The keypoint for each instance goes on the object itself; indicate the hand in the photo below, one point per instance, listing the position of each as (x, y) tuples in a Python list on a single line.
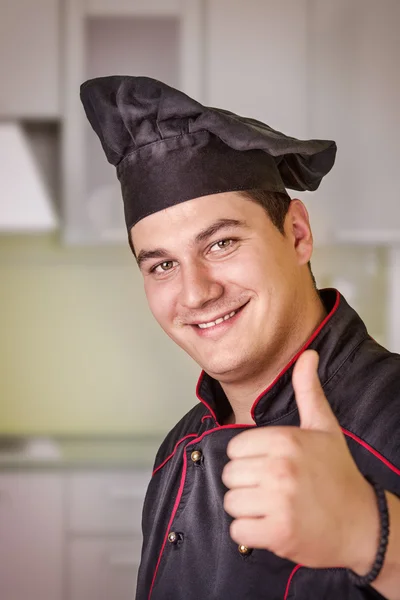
[(297, 491)]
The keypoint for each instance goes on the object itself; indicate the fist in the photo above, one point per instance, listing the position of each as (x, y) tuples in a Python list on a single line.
[(297, 491)]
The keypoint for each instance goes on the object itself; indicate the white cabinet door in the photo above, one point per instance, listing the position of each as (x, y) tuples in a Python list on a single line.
[(103, 569), (320, 69), (355, 98), (104, 532), (31, 536), (29, 59), (257, 65), (157, 38), (109, 502), (256, 60)]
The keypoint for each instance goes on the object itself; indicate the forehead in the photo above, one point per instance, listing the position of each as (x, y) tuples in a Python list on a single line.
[(186, 219)]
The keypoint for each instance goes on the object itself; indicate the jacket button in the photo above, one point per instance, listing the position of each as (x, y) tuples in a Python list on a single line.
[(172, 537), (196, 456), (244, 550)]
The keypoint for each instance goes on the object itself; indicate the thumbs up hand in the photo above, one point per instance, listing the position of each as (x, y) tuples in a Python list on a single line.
[(297, 491)]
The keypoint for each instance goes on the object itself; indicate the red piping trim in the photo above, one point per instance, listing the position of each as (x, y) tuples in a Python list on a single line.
[(313, 336), (206, 417), (172, 454), (201, 399), (372, 450), (181, 486), (234, 426), (297, 567), (375, 453), (177, 501)]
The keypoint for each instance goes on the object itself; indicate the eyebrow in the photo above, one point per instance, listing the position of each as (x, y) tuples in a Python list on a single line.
[(215, 227), (202, 236)]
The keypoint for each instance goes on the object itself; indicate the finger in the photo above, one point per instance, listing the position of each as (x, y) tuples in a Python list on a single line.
[(245, 502), (261, 441), (314, 409), (244, 472), (255, 532)]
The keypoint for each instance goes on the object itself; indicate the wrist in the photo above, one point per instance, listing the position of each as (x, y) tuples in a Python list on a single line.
[(364, 579), (366, 533)]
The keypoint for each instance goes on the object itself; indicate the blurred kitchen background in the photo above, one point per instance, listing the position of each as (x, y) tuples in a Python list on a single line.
[(89, 384)]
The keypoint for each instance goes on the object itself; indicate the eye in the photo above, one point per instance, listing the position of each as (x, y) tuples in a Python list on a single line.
[(222, 245), (163, 267)]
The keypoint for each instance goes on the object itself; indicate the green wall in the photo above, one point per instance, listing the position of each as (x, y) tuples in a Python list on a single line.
[(79, 350)]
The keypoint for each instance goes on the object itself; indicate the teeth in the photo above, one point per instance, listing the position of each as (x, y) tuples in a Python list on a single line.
[(217, 322)]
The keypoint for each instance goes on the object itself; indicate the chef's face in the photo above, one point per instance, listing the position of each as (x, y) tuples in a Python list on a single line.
[(222, 281)]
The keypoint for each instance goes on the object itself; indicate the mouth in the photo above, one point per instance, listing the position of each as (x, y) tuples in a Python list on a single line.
[(219, 323)]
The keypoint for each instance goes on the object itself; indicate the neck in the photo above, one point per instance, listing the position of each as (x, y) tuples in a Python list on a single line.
[(242, 393)]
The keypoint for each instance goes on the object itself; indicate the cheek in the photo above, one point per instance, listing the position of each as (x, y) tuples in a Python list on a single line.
[(243, 270), (160, 301), (252, 270), (268, 273)]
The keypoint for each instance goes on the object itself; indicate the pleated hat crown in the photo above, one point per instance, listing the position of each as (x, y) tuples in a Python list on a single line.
[(168, 148)]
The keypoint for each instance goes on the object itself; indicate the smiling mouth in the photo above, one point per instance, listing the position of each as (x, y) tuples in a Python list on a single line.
[(220, 319)]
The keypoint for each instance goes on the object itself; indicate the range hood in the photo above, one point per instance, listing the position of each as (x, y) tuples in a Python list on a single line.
[(25, 203)]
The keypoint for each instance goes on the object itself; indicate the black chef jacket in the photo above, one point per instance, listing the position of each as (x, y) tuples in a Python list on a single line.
[(187, 551)]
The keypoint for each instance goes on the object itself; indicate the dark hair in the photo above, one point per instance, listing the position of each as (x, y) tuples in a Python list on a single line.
[(276, 205)]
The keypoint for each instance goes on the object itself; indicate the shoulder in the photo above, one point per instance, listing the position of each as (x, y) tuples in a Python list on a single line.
[(367, 380), (365, 395), (374, 375), (188, 426)]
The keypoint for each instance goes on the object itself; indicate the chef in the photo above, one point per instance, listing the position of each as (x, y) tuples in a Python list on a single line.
[(283, 481)]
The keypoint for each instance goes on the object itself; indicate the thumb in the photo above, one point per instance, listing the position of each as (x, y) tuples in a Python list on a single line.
[(315, 411)]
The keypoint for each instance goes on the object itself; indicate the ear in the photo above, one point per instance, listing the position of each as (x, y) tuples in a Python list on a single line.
[(297, 228)]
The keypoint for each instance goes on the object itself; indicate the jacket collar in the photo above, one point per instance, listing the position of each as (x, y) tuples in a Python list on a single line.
[(335, 338)]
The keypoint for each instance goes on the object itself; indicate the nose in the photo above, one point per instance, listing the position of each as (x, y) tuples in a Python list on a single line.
[(199, 287)]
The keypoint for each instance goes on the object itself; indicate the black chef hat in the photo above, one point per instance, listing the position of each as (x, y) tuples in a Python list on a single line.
[(168, 148)]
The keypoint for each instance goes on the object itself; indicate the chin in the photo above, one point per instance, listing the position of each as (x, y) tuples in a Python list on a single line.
[(225, 370)]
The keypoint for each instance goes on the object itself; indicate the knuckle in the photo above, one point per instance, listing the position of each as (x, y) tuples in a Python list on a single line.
[(230, 502), (227, 474), (235, 531), (285, 468), (232, 447)]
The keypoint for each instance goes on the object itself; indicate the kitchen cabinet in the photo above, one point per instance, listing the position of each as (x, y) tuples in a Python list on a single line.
[(31, 536), (29, 59), (256, 60), (310, 68), (320, 69), (104, 533), (71, 534), (354, 84), (160, 39), (109, 502), (103, 568), (257, 64)]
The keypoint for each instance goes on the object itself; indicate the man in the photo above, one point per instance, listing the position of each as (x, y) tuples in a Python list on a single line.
[(279, 484)]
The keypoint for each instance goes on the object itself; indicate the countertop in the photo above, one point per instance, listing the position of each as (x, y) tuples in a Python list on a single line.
[(117, 452)]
